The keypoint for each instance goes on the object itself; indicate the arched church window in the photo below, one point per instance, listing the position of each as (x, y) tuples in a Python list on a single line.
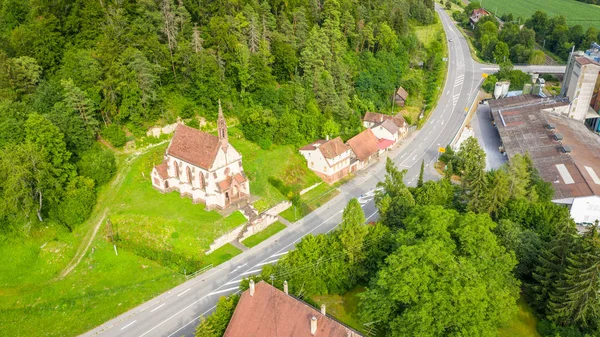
[(189, 175)]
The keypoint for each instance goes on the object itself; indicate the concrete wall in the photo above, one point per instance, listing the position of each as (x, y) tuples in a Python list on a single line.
[(225, 238), (280, 207), (264, 220), (308, 189)]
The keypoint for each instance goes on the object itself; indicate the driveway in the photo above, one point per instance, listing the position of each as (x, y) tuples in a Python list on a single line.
[(488, 137)]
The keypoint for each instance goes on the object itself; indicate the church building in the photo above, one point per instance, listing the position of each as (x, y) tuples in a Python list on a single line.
[(203, 167)]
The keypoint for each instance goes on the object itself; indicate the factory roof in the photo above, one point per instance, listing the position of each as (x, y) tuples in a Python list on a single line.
[(527, 125)]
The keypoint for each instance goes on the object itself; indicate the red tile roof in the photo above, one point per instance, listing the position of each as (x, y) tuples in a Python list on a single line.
[(374, 117), (333, 148), (162, 170), (399, 120), (329, 148), (194, 146), (364, 145), (225, 184), (384, 143), (270, 312), (377, 118), (402, 93)]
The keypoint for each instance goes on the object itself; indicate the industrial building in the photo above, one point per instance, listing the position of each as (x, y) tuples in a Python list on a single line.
[(580, 85), (564, 151)]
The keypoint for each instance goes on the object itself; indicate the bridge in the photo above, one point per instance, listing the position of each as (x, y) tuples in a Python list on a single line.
[(540, 69)]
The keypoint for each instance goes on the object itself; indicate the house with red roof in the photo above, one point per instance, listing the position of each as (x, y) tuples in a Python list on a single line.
[(329, 159), (265, 311), (203, 167), (365, 148)]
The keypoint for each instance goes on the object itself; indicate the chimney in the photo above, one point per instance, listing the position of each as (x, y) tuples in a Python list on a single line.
[(285, 287), (323, 312), (327, 137), (313, 325), (251, 287)]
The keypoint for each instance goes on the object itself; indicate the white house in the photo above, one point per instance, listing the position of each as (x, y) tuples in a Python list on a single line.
[(203, 167), (387, 131), (329, 159)]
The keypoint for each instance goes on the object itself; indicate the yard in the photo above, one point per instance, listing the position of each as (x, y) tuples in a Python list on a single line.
[(283, 162), (577, 13)]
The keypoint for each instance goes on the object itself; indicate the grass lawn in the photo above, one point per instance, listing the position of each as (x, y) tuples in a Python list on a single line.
[(35, 302), (104, 285), (280, 161), (523, 325), (263, 235), (164, 221), (577, 13), (343, 307), (311, 200), (221, 255), (429, 33)]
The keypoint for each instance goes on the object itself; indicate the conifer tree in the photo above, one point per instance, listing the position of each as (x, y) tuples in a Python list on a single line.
[(420, 181), (552, 263), (576, 299)]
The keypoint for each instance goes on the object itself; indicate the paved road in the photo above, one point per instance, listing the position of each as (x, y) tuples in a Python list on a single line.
[(176, 312)]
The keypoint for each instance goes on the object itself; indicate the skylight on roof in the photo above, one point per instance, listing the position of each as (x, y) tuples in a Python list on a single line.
[(593, 174), (564, 173)]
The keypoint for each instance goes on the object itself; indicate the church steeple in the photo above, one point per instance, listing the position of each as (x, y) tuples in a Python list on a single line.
[(222, 127)]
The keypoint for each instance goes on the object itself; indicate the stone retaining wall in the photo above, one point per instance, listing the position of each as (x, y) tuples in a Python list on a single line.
[(226, 238)]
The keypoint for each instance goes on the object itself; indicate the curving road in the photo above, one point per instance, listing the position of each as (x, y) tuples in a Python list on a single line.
[(176, 312)]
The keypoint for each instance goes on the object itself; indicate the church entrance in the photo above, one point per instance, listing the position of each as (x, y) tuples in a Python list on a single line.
[(227, 199)]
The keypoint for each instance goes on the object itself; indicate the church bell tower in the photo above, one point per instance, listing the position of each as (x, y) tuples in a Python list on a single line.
[(222, 127)]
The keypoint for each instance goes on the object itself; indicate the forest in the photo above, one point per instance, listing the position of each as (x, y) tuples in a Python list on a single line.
[(515, 44), (451, 258), (77, 73)]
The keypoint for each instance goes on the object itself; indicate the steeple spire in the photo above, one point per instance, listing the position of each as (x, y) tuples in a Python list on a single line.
[(222, 127)]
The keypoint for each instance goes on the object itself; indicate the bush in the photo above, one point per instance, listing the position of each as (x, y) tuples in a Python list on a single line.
[(193, 123), (489, 83), (115, 135), (77, 203), (98, 165)]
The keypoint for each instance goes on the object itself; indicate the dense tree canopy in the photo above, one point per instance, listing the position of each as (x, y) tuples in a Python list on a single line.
[(73, 71)]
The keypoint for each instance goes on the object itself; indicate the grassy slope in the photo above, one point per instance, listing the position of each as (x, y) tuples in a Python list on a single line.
[(523, 325), (104, 285), (280, 161), (311, 200), (426, 35), (164, 221), (576, 12), (263, 235)]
